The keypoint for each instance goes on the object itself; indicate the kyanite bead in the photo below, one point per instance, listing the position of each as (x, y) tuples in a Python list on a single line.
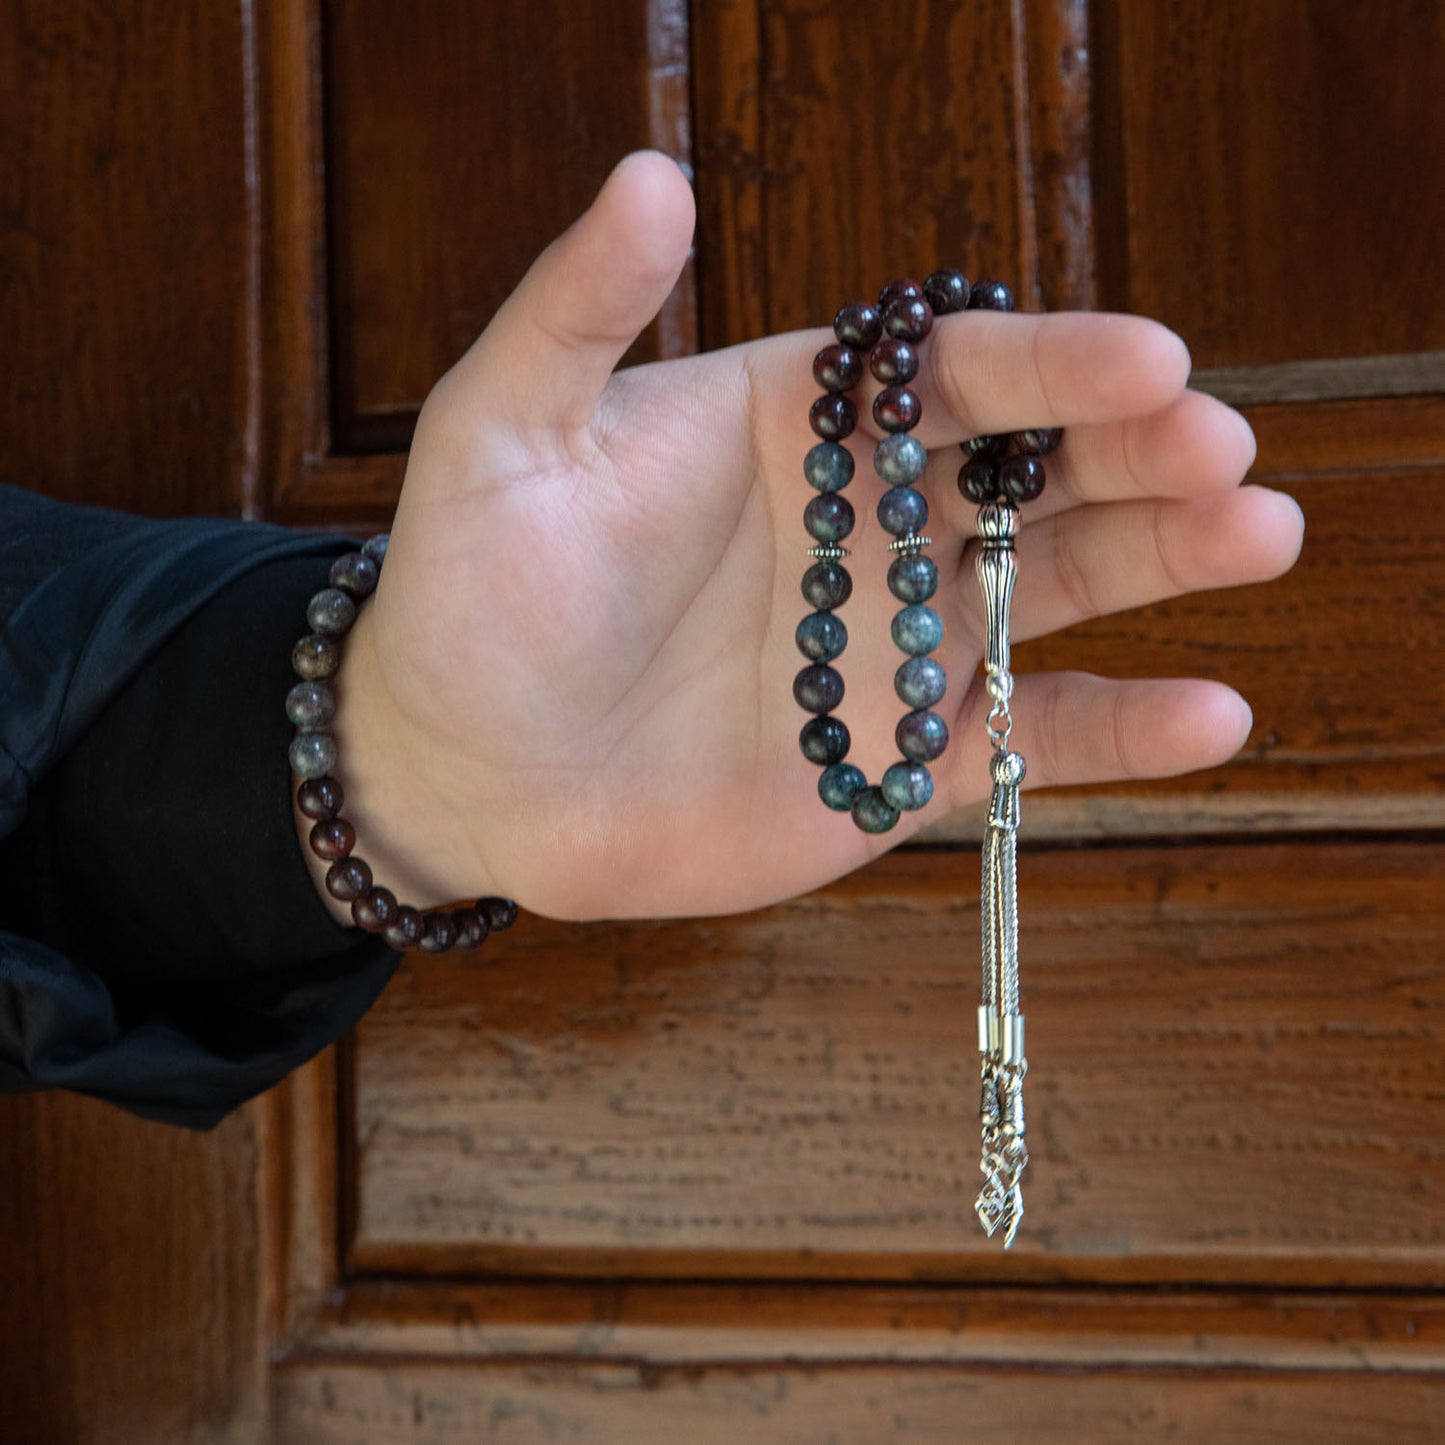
[(837, 368), (310, 705), (902, 510), (355, 573), (909, 317), (406, 929), (440, 932), (858, 325), (818, 688), (899, 459), (986, 445), (897, 409), (978, 480), (920, 682), (907, 786), (913, 579), (333, 838), (828, 467), (901, 290), (374, 909), (918, 630), (921, 736), (375, 547), (312, 754), (331, 611), (989, 295), (893, 361), (872, 812), (500, 913), (315, 657), (348, 879), (471, 928), (829, 517), (1039, 441), (946, 291), (840, 784), (827, 585), (1021, 478), (832, 416), (825, 740), (320, 797), (821, 636)]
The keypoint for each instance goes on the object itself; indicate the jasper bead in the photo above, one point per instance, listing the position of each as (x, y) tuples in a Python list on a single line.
[(331, 611), (818, 689), (893, 360), (987, 295), (1039, 441), (978, 480), (897, 409), (986, 446), (899, 459), (406, 929), (320, 797), (829, 517), (920, 682), (833, 417), (902, 510), (471, 928), (840, 784), (310, 705), (312, 754), (913, 579), (828, 467), (917, 630), (907, 786), (910, 317), (355, 573), (500, 913), (374, 909), (837, 368), (1021, 478), (332, 839), (821, 636), (827, 585), (825, 740), (946, 291), (901, 290), (375, 547), (348, 880), (440, 932), (315, 657), (872, 812), (921, 736), (858, 325)]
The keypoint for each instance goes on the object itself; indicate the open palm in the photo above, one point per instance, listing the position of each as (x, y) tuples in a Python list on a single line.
[(574, 684)]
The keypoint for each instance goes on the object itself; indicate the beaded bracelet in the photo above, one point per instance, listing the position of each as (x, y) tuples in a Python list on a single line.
[(311, 706)]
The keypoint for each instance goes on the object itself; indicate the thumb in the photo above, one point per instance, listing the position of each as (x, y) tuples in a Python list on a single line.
[(549, 350)]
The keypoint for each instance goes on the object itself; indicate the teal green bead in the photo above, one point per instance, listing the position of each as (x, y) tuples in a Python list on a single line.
[(872, 812), (829, 517), (825, 740), (827, 585), (310, 705), (312, 754), (821, 637), (828, 467), (907, 786), (921, 736), (917, 630), (900, 459), (901, 510), (839, 785), (913, 579), (331, 612), (920, 682)]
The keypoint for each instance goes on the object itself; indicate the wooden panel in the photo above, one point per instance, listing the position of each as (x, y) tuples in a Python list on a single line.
[(1235, 1056), (125, 279), (337, 1404), (456, 150), (1270, 178)]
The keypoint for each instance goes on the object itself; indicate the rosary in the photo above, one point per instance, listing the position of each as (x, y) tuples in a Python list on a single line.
[(999, 473)]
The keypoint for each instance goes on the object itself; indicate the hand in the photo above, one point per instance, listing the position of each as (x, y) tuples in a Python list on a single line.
[(574, 684)]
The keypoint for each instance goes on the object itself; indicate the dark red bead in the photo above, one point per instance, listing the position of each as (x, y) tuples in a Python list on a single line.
[(837, 368), (910, 317), (320, 797), (833, 417), (500, 913), (946, 291), (893, 360), (333, 839), (406, 929), (472, 928), (858, 325), (895, 408), (989, 295), (985, 446), (978, 480), (1039, 441), (375, 909), (902, 289), (348, 879), (1021, 478), (441, 933)]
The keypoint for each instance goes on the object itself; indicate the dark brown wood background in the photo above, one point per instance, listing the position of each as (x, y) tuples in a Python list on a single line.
[(710, 1181)]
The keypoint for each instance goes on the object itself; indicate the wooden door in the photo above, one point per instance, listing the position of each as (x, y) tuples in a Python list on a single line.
[(712, 1180)]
